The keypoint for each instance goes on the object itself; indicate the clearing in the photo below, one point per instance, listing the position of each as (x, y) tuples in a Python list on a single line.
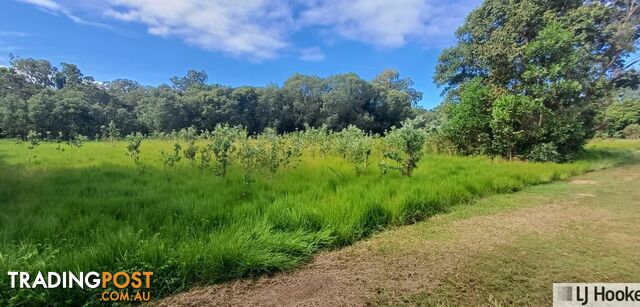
[(501, 250)]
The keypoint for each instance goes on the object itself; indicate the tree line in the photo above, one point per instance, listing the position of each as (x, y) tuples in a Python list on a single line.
[(526, 79), (35, 95)]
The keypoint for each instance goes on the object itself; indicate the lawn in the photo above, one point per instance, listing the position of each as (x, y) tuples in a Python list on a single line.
[(91, 209)]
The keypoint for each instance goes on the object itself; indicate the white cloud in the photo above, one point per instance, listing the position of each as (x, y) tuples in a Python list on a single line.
[(390, 24), (263, 29), (254, 29), (379, 22), (56, 8), (46, 4), (312, 54)]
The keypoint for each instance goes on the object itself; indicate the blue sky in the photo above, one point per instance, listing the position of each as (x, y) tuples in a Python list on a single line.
[(238, 42)]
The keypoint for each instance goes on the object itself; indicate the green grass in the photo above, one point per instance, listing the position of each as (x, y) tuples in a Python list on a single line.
[(90, 209), (600, 247), (522, 274)]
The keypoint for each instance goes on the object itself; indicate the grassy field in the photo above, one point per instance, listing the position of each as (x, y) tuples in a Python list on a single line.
[(500, 250), (90, 209)]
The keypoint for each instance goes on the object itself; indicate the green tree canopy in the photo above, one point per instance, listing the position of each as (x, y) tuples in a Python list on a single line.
[(565, 57)]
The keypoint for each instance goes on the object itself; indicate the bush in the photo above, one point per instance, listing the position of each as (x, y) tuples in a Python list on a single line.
[(33, 141), (544, 152), (631, 131), (404, 147), (133, 148), (223, 140), (354, 145), (170, 159)]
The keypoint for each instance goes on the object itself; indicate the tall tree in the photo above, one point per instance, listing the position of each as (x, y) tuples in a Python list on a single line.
[(161, 111), (305, 94), (393, 101), (347, 101), (69, 75), (13, 83), (193, 78), (565, 56), (38, 72)]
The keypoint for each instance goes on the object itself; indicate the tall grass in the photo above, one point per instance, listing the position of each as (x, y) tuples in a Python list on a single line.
[(90, 209)]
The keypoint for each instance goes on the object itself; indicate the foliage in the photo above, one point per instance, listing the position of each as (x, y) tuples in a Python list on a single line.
[(133, 148), (275, 154), (623, 110), (544, 152), (346, 101), (205, 156), (250, 155), (77, 140), (223, 146), (14, 120), (34, 95), (632, 131), (112, 132), (555, 60), (514, 122), (190, 151), (468, 126), (294, 145), (192, 79), (321, 137), (404, 146), (355, 146), (170, 159), (33, 140)]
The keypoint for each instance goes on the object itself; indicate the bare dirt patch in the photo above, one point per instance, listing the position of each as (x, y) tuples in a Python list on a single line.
[(582, 181)]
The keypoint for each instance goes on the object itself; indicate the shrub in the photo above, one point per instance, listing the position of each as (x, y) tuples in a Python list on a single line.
[(170, 159), (514, 120), (223, 146), (275, 154), (438, 142), (112, 133), (544, 152), (59, 141), (249, 157), (205, 156), (77, 140), (294, 145), (403, 146), (133, 148), (33, 141), (631, 131), (191, 150), (355, 147)]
